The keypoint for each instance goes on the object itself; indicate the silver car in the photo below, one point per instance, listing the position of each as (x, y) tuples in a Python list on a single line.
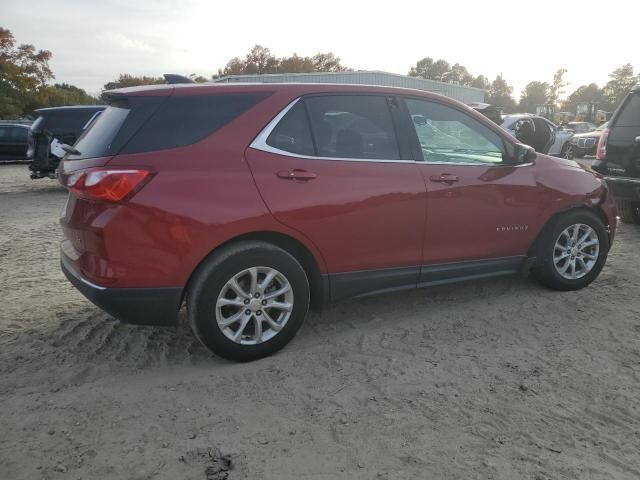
[(539, 133)]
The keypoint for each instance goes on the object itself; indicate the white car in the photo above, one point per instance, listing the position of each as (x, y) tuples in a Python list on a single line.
[(539, 133)]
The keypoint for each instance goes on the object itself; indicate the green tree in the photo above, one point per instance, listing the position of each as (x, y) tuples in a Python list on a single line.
[(481, 82), (622, 79), (535, 93), (127, 80), (500, 95), (295, 64), (556, 89), (586, 94), (24, 71), (429, 69), (328, 62)]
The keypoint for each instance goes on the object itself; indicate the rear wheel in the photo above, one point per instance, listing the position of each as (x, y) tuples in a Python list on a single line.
[(629, 212), (248, 300), (572, 252)]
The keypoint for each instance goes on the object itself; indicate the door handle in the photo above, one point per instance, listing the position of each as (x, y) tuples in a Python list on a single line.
[(444, 178), (296, 174)]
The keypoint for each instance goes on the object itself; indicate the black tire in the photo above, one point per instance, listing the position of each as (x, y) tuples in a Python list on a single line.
[(629, 212), (544, 269), (567, 151), (212, 276)]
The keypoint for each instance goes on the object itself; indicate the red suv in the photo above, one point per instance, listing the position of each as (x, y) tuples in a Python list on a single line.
[(251, 203)]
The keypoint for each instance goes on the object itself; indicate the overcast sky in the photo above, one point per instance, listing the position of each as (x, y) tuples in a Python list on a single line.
[(94, 41)]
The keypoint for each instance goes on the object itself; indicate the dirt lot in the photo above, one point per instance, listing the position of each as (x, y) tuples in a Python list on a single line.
[(497, 379)]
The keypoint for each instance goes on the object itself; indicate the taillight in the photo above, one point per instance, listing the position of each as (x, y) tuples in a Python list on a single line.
[(106, 184), (601, 154)]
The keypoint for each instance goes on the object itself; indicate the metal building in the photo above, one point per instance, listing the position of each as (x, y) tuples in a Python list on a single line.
[(459, 92)]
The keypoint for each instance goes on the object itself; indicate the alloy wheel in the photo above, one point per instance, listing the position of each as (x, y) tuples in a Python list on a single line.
[(576, 251), (254, 305)]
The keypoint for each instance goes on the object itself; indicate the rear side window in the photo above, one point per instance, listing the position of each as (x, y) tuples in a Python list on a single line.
[(353, 126), (144, 124), (181, 121), (630, 112), (292, 134)]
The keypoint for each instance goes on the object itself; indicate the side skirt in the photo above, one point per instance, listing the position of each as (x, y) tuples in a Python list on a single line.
[(368, 282)]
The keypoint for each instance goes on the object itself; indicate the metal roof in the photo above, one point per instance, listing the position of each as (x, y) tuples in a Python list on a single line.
[(459, 92)]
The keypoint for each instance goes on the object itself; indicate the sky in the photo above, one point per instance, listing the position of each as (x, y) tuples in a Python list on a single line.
[(92, 42)]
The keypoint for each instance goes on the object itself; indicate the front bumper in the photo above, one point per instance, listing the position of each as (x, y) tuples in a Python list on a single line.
[(141, 306)]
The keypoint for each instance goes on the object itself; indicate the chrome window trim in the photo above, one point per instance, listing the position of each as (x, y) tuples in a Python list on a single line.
[(260, 143)]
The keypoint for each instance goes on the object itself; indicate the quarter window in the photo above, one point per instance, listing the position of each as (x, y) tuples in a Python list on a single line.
[(447, 135), (292, 134), (353, 126)]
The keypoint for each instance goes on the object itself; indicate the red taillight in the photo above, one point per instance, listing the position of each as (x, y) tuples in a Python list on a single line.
[(601, 153), (106, 184)]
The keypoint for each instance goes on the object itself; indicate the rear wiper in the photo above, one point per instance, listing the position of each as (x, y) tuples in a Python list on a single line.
[(70, 149)]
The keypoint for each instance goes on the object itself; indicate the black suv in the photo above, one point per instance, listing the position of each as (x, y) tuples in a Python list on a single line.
[(62, 124), (618, 156)]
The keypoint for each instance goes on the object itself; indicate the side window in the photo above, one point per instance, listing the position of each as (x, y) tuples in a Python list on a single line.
[(353, 126), (20, 134), (292, 134), (629, 115), (447, 135)]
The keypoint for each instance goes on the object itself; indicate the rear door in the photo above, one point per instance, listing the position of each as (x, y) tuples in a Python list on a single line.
[(333, 168)]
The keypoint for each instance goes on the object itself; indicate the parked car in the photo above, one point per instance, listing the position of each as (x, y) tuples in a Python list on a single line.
[(54, 127), (539, 133), (251, 202), (618, 156), (13, 141), (580, 127), (587, 143)]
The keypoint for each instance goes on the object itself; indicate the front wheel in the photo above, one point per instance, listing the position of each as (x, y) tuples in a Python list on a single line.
[(572, 252), (568, 151), (248, 300)]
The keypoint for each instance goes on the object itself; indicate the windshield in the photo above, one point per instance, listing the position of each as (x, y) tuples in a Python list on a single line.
[(602, 127)]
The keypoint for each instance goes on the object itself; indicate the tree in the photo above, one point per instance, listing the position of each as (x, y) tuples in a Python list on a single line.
[(328, 62), (23, 72), (295, 64), (459, 75), (622, 79), (500, 95), (429, 69), (535, 93), (586, 94), (260, 60), (481, 82), (556, 88), (127, 80)]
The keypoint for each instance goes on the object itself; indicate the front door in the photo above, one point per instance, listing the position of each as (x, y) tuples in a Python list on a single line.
[(332, 169), (478, 208)]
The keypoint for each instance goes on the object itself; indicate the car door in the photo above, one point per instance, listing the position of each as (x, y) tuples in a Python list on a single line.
[(482, 214), (332, 168)]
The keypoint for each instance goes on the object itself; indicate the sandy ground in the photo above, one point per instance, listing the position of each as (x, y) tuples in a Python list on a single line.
[(497, 379)]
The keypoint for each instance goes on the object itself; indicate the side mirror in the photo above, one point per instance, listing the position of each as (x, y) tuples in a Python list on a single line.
[(521, 154)]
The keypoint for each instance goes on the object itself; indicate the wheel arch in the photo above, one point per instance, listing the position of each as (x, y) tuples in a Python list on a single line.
[(533, 249), (318, 282)]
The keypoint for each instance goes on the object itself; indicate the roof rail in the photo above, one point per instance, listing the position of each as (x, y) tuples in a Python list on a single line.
[(172, 78)]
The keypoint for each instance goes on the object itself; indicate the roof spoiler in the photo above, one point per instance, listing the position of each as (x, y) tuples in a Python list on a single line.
[(172, 78)]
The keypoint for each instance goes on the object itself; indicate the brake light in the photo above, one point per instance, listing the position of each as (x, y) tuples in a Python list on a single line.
[(601, 153), (107, 184)]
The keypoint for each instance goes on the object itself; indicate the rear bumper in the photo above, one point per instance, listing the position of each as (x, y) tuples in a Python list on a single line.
[(141, 306), (624, 188)]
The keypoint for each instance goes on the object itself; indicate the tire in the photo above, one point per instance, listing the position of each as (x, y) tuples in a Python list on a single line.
[(547, 269), (629, 212), (567, 152), (213, 298)]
